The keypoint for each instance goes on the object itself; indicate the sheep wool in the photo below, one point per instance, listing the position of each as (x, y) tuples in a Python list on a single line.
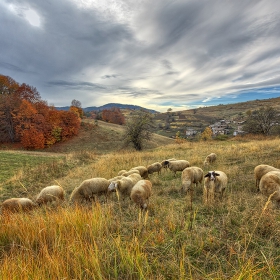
[(177, 165), (90, 189), (211, 158), (261, 170), (141, 193), (143, 171), (131, 171), (124, 185), (13, 205), (50, 194), (191, 175), (121, 172), (270, 184), (154, 167)]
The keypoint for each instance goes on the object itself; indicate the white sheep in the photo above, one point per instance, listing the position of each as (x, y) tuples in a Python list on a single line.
[(121, 172), (90, 189), (141, 193), (129, 172), (49, 194), (270, 185), (124, 185), (211, 158), (154, 167), (13, 205), (142, 170), (191, 175), (164, 163), (261, 170), (215, 182), (116, 178), (177, 165)]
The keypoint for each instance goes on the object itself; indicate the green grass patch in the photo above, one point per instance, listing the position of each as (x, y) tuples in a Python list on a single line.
[(12, 162)]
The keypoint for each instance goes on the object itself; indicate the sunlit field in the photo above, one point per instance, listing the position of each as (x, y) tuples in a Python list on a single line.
[(236, 238)]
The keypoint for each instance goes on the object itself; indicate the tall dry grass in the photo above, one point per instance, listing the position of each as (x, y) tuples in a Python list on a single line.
[(236, 238)]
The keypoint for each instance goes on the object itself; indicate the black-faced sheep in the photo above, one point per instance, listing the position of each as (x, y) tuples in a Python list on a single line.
[(177, 165), (90, 189), (124, 185), (50, 194), (141, 193), (142, 170), (215, 182), (211, 158), (164, 163), (270, 184), (13, 205), (154, 167), (191, 175), (261, 170)]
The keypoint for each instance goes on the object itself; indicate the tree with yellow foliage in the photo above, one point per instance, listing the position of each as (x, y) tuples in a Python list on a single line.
[(206, 134)]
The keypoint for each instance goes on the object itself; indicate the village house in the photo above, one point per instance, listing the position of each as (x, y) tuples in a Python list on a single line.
[(190, 132), (220, 127)]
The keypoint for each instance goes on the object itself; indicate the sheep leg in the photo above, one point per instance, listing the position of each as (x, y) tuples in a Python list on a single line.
[(191, 196)]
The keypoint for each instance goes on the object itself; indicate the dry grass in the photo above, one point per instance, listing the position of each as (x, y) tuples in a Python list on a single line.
[(237, 238)]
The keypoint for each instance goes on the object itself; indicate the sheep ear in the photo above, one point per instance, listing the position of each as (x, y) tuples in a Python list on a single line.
[(217, 174), (166, 162), (207, 175)]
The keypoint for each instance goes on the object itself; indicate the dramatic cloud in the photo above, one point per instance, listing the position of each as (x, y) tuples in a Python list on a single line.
[(160, 54)]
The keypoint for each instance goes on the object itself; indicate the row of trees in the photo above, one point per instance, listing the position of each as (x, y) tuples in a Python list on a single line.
[(26, 118)]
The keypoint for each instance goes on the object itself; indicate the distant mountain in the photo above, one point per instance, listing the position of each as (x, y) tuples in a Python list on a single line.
[(109, 106)]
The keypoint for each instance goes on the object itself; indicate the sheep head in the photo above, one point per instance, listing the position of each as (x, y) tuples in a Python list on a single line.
[(113, 186), (212, 175)]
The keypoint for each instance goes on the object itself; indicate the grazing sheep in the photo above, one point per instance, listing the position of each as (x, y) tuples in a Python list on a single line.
[(13, 205), (141, 193), (125, 184), (90, 188), (211, 158), (214, 182), (164, 163), (50, 194), (177, 165), (115, 178), (121, 172), (131, 171), (142, 170), (191, 175), (261, 170), (154, 167), (270, 184)]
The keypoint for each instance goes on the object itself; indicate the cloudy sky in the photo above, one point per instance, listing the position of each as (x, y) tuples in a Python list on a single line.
[(158, 54)]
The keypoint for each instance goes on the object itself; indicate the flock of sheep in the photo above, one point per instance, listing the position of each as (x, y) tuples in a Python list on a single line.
[(135, 185)]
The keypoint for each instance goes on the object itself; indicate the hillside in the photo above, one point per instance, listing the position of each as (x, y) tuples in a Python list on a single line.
[(199, 118), (102, 138)]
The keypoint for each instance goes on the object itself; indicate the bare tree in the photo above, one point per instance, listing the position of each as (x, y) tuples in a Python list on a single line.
[(76, 103), (261, 121), (139, 129)]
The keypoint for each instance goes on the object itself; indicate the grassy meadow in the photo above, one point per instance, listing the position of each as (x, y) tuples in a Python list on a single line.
[(236, 238)]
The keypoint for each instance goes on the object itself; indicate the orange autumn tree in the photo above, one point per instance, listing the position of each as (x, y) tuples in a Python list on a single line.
[(76, 110), (27, 119), (113, 115), (29, 126)]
